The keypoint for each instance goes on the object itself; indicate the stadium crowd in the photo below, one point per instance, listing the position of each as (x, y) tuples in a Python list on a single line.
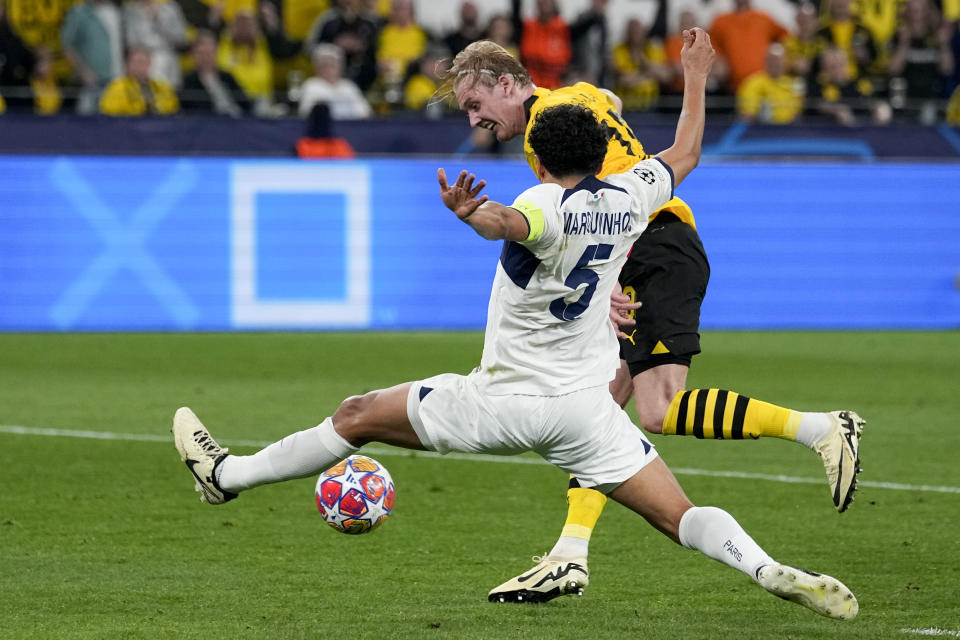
[(843, 61)]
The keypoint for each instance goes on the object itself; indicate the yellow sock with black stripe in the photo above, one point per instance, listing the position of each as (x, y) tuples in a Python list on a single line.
[(585, 507), (583, 511), (722, 414)]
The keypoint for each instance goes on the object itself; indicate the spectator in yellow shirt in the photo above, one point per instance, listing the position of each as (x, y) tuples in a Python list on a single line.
[(38, 24), (639, 68), (881, 17), (771, 95), (401, 42), (244, 54), (136, 94), (421, 87), (845, 99), (841, 28)]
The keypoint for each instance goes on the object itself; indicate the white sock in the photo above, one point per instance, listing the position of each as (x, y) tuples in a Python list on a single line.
[(569, 547), (713, 532), (813, 426), (304, 453)]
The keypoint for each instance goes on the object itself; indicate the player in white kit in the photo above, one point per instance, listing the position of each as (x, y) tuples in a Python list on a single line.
[(550, 350), (549, 354)]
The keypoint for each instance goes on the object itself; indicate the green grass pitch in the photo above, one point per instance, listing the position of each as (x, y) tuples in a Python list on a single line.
[(105, 538)]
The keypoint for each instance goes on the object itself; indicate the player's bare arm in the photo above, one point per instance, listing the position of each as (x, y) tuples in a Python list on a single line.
[(697, 57), (489, 219)]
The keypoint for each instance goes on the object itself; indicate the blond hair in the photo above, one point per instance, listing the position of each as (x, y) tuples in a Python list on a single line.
[(482, 62)]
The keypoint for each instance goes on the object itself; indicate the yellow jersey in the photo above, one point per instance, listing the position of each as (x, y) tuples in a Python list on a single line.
[(124, 97), (773, 100), (38, 22), (881, 17), (47, 97), (642, 94), (623, 150), (299, 16), (418, 92), (953, 108), (252, 68), (399, 46)]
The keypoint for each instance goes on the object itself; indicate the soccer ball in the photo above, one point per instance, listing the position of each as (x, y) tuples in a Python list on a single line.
[(355, 495)]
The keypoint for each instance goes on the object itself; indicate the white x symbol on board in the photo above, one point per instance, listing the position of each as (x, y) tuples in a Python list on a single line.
[(124, 244)]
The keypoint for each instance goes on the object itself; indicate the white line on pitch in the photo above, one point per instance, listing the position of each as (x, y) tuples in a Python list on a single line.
[(932, 631), (380, 451)]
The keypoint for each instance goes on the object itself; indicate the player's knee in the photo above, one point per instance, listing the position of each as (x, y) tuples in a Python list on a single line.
[(350, 417), (651, 417), (652, 409), (621, 390)]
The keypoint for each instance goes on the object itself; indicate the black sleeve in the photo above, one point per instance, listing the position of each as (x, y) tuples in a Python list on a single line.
[(193, 95), (280, 46)]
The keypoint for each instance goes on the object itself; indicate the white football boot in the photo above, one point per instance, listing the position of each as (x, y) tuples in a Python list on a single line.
[(201, 453), (820, 593), (546, 581), (840, 452)]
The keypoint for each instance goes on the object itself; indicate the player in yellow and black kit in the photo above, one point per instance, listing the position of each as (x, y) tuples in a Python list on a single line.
[(668, 272)]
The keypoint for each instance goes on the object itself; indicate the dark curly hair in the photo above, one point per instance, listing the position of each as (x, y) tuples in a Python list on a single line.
[(568, 140)]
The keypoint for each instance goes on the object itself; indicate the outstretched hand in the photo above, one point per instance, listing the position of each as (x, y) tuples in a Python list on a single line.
[(461, 197), (697, 54)]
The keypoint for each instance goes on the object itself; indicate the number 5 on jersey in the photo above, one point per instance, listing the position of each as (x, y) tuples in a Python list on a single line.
[(581, 274)]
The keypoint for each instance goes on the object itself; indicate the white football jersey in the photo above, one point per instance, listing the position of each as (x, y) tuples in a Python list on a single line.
[(548, 327)]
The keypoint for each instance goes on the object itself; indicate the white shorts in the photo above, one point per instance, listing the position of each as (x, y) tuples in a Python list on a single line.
[(585, 432)]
